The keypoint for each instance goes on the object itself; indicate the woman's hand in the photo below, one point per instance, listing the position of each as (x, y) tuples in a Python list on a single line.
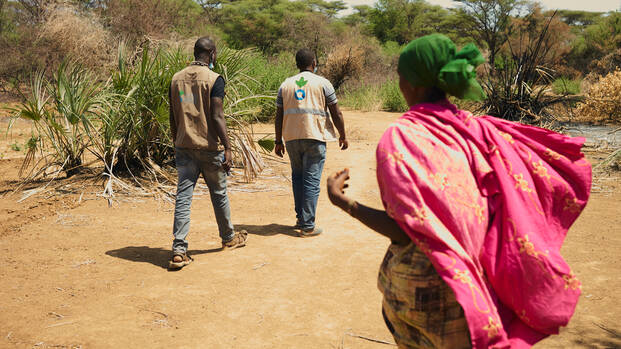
[(336, 186)]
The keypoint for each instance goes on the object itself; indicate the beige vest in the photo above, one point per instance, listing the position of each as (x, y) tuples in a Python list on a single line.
[(190, 100), (306, 114)]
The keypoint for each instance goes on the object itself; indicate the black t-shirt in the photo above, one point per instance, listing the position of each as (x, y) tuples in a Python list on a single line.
[(218, 88)]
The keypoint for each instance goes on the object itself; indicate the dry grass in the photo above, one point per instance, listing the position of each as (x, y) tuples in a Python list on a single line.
[(603, 100), (78, 35), (343, 63)]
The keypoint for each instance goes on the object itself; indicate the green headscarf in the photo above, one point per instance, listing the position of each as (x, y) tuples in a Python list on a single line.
[(432, 61)]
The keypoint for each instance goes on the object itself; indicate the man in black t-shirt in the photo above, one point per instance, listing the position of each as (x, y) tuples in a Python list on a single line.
[(201, 146)]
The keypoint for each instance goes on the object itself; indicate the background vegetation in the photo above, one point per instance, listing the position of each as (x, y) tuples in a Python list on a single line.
[(93, 74)]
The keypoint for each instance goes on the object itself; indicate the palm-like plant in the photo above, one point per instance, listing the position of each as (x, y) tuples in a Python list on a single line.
[(123, 122), (142, 118), (243, 101), (64, 112)]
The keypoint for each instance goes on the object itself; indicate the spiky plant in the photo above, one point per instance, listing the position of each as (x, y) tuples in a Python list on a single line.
[(519, 89), (64, 111), (124, 122), (243, 102), (141, 121)]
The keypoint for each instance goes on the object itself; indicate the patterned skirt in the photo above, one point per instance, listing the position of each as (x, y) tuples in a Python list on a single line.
[(419, 308)]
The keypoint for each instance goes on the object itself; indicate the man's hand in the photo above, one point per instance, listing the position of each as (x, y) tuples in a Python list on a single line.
[(343, 143), (228, 160), (279, 149), (336, 188)]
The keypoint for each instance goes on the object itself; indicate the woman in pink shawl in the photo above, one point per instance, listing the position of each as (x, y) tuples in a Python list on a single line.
[(477, 209)]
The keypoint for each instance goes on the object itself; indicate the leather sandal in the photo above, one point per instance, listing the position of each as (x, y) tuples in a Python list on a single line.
[(179, 260)]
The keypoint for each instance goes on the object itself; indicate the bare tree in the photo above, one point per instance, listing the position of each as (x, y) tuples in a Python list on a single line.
[(489, 20), (211, 8), (35, 8)]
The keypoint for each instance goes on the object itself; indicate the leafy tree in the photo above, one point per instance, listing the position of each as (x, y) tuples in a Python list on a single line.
[(404, 20), (328, 8), (595, 41), (360, 16), (277, 25), (259, 23), (579, 18)]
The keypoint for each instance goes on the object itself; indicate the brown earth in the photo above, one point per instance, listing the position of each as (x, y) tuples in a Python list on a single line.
[(77, 273)]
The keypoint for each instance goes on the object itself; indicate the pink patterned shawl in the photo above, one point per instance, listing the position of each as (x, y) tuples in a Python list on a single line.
[(489, 202)]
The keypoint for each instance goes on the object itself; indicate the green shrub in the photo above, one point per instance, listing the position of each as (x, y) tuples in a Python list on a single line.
[(565, 86), (391, 48), (375, 96), (363, 98), (392, 98), (268, 74)]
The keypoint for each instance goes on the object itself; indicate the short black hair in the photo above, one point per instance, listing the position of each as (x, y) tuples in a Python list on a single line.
[(304, 58), (203, 46)]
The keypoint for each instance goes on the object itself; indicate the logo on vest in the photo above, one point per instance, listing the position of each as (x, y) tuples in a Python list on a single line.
[(299, 93), (186, 99)]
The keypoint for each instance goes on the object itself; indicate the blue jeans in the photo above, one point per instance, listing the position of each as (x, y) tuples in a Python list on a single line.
[(190, 164), (307, 157)]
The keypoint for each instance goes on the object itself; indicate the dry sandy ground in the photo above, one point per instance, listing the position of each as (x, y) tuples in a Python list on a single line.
[(76, 273)]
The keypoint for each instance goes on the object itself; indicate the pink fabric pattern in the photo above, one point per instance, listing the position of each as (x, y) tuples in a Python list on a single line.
[(489, 202)]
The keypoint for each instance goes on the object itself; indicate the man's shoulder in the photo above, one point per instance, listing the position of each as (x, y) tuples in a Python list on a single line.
[(322, 80), (178, 75), (197, 72), (306, 78), (290, 80)]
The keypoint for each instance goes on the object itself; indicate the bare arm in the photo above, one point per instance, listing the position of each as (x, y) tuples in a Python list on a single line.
[(337, 118), (217, 118), (339, 123), (377, 220), (171, 117), (279, 148), (278, 123)]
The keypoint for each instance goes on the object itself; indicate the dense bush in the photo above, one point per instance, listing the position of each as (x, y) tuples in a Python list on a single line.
[(123, 121), (79, 35), (357, 53), (343, 63), (134, 19)]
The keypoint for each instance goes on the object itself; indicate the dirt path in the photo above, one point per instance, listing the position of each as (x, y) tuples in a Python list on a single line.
[(85, 275)]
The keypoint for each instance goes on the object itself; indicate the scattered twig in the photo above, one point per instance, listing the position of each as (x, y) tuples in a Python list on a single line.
[(34, 191), (61, 324), (59, 316), (615, 130), (260, 265), (370, 339), (155, 312)]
